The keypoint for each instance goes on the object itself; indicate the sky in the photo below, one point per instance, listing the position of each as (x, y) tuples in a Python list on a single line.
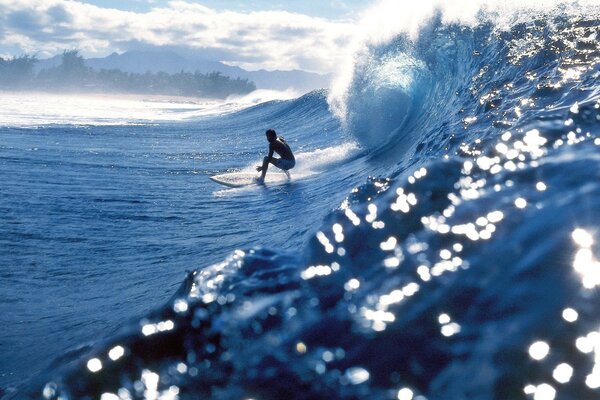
[(332, 9), (258, 34)]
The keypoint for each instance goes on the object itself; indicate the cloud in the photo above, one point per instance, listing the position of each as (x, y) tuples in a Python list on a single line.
[(262, 39)]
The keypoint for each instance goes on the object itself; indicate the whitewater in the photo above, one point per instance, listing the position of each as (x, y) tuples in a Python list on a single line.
[(438, 240)]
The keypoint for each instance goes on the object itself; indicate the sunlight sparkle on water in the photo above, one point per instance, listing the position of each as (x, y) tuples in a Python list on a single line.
[(150, 380), (404, 201), (424, 273), (391, 262), (444, 318), (585, 263), (520, 202), (352, 284), (582, 238), (544, 392), (354, 219), (389, 244), (562, 373), (357, 375), (116, 352), (588, 344), (300, 348), (539, 350), (315, 270), (151, 329), (450, 329), (372, 215), (180, 306), (94, 365), (182, 368), (405, 394), (325, 242), (338, 231), (570, 315)]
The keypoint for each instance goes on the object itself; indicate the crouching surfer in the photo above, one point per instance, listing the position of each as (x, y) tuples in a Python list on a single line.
[(278, 145)]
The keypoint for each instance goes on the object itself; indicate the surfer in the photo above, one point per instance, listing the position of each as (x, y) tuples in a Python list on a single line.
[(278, 145)]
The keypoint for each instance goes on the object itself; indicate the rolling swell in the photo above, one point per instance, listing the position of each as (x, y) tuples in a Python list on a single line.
[(472, 274)]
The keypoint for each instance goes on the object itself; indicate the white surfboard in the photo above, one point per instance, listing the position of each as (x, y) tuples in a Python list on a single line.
[(244, 178)]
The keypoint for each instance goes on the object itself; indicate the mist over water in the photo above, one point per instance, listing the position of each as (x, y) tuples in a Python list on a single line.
[(438, 240), (31, 109)]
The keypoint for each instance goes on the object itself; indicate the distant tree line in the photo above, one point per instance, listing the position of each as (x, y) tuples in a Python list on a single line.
[(73, 75)]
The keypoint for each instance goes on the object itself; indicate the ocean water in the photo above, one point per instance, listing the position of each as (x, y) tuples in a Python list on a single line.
[(438, 240)]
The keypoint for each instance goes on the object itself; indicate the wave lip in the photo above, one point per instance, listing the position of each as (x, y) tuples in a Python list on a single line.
[(387, 90)]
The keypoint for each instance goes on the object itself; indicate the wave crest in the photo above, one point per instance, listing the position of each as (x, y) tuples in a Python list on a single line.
[(408, 60)]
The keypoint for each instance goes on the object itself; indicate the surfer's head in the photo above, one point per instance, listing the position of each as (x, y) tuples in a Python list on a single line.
[(271, 135)]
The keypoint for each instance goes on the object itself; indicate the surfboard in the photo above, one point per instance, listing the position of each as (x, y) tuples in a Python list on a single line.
[(242, 178)]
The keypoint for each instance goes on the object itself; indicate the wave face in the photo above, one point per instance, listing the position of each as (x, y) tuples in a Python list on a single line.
[(467, 267)]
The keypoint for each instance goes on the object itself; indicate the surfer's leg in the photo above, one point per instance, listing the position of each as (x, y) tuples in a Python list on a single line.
[(283, 165)]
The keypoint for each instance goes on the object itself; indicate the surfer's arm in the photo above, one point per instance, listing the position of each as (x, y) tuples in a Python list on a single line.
[(268, 160)]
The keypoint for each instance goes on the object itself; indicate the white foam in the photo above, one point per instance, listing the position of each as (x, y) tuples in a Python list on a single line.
[(388, 18), (24, 109), (27, 109), (263, 95), (307, 164), (315, 161), (312, 162)]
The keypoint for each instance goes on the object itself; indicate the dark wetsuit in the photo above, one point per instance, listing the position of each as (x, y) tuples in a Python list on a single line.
[(280, 146), (286, 162)]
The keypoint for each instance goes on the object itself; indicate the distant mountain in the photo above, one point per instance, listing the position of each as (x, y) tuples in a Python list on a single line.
[(48, 63), (172, 62), (154, 61)]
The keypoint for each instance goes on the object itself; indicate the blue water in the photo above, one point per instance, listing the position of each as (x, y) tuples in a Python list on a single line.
[(439, 238)]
